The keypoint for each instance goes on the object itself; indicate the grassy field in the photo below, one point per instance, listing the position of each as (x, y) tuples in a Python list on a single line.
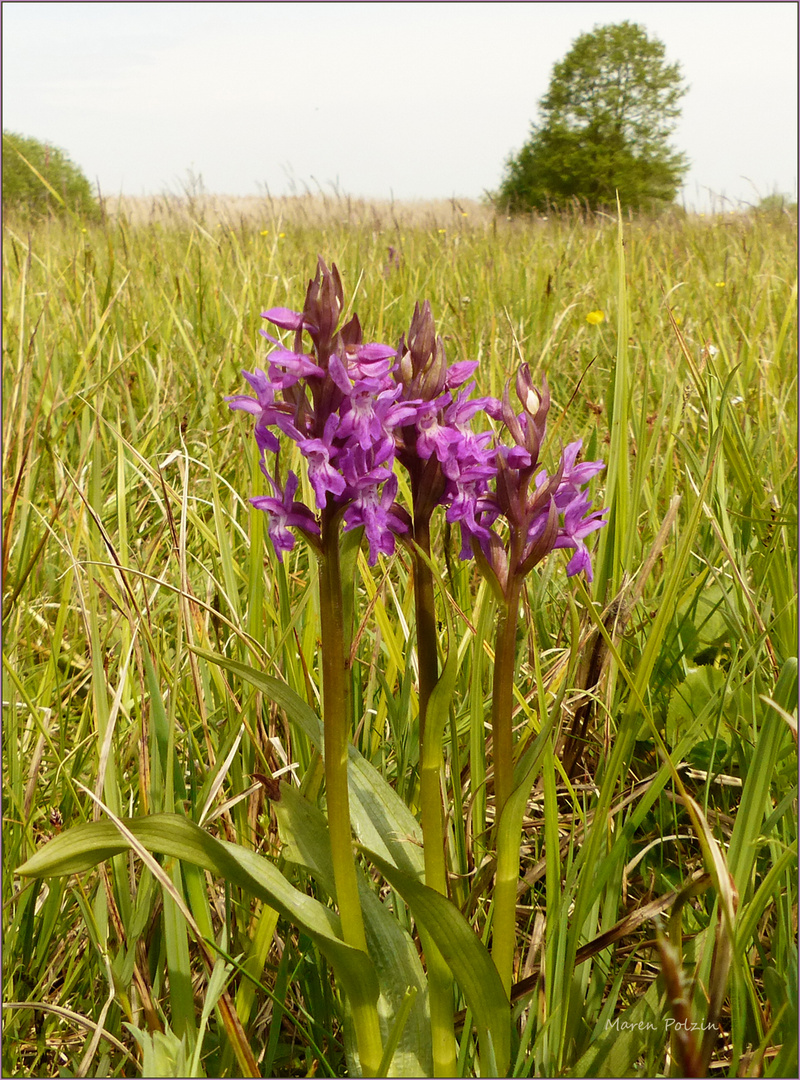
[(659, 875)]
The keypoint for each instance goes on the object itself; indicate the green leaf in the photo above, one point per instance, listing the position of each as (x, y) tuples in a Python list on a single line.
[(176, 940), (701, 620), (163, 1053), (304, 831), (396, 1032), (83, 847), (380, 818), (695, 696), (756, 796), (216, 985), (467, 958)]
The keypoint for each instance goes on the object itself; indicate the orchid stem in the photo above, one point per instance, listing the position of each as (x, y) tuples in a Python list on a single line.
[(503, 698), (440, 979), (336, 714), (504, 917)]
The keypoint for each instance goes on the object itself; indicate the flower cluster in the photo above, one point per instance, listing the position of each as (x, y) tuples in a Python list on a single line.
[(543, 512), (340, 406), (449, 463), (352, 408)]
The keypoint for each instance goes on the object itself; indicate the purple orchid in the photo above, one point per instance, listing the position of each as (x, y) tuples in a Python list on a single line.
[(375, 509), (286, 368), (574, 477), (459, 372), (371, 361), (262, 407), (323, 476), (434, 435), (533, 511), (366, 407), (578, 524), (339, 403), (351, 408), (285, 513)]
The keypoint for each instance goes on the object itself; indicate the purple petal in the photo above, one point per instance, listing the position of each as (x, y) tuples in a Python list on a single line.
[(459, 373), (245, 403), (580, 561), (369, 353), (287, 319)]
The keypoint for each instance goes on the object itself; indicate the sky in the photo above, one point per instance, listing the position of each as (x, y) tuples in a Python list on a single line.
[(380, 100)]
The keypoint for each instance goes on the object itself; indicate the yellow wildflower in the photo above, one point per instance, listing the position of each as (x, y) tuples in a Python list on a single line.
[(594, 318)]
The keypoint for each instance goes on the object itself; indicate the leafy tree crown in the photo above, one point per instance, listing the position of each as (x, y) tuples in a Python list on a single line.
[(604, 123)]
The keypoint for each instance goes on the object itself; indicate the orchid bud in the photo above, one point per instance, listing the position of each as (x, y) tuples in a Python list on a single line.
[(421, 336), (536, 405), (406, 364), (526, 392), (431, 384), (510, 419), (330, 301), (351, 333)]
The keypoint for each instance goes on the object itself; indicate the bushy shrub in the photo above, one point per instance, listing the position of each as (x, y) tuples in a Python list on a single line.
[(39, 179), (777, 203)]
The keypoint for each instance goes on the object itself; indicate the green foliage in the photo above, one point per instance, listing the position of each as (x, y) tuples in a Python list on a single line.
[(39, 179), (156, 653), (604, 125), (163, 1053), (777, 203)]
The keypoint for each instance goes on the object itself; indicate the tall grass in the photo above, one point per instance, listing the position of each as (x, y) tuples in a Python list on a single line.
[(130, 544)]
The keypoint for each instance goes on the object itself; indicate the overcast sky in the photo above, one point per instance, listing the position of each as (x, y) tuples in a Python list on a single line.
[(410, 100)]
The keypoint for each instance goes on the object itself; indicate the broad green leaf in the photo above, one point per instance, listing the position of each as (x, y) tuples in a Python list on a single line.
[(380, 818), (395, 1034), (701, 620), (304, 831), (254, 963), (696, 695), (83, 847), (467, 958), (176, 938)]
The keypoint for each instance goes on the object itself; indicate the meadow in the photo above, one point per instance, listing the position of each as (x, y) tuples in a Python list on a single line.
[(147, 624)]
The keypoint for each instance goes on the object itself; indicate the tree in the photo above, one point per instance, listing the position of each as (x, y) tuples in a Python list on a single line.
[(604, 126), (775, 204), (26, 192)]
